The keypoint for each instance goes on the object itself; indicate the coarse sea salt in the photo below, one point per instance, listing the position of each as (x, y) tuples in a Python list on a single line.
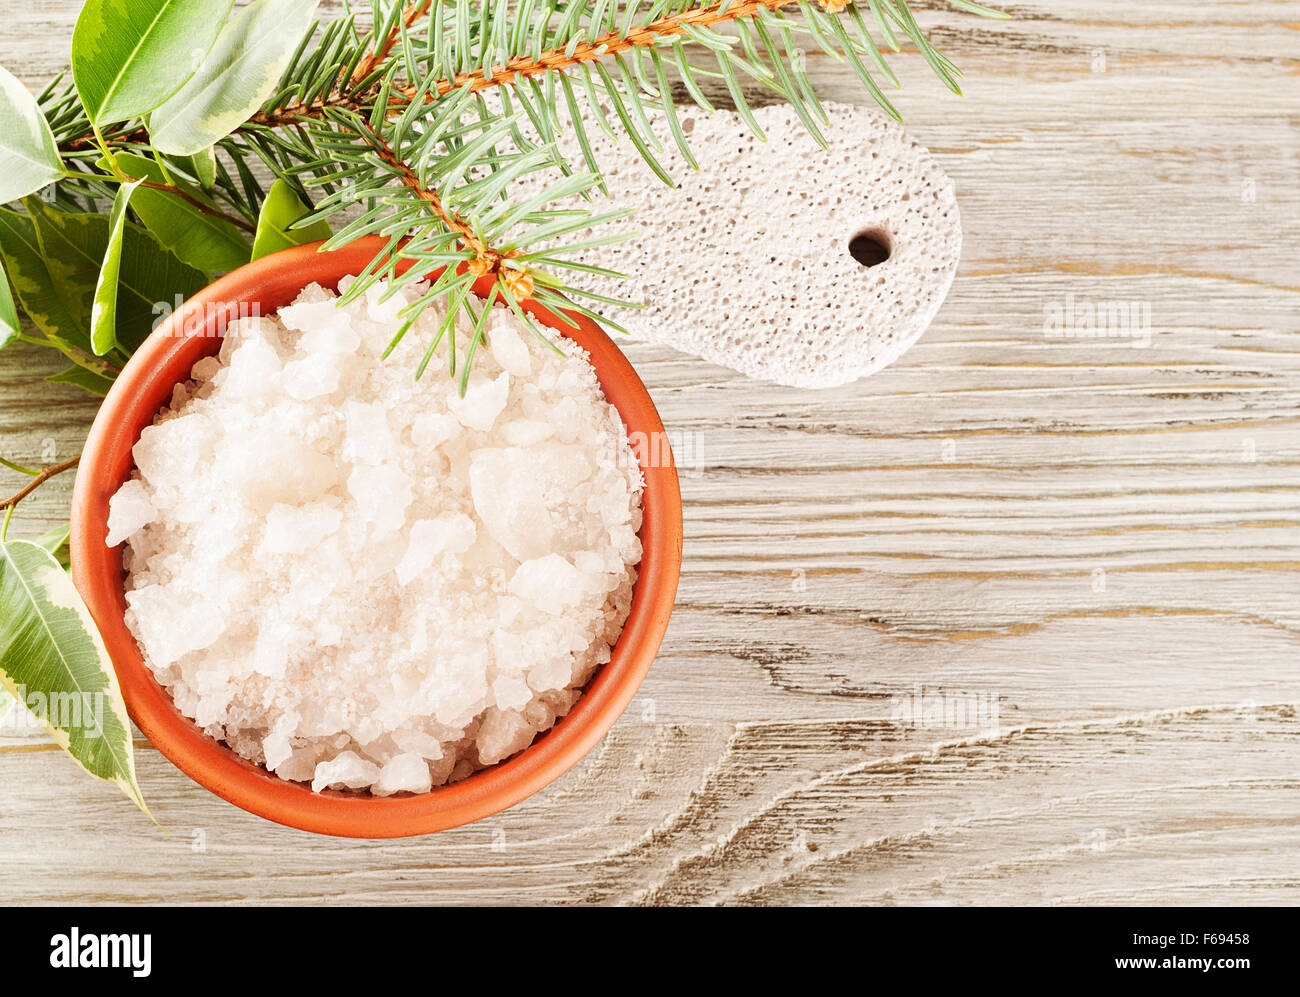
[(367, 582)]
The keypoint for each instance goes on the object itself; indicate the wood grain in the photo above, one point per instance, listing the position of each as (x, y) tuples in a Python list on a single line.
[(1097, 544)]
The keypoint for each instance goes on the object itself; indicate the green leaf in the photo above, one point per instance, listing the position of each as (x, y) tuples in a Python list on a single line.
[(96, 384), (241, 72), (70, 249), (103, 310), (55, 540), (202, 240), (42, 299), (9, 325), (53, 660), (203, 167), (280, 210), (27, 149), (129, 56)]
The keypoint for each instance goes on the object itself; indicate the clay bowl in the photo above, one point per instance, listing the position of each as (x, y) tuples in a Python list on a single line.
[(145, 385)]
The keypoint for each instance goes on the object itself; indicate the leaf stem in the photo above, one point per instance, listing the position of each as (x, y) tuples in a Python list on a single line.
[(108, 153), (80, 357), (31, 472), (184, 195), (45, 475)]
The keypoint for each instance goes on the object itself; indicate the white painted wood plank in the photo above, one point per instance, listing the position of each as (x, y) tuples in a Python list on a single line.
[(1102, 540)]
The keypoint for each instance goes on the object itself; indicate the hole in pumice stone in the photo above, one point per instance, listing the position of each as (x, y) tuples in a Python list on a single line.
[(870, 248)]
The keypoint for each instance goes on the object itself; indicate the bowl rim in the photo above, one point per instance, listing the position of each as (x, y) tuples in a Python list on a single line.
[(97, 570)]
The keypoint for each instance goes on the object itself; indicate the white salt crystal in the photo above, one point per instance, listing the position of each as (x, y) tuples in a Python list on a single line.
[(168, 452), (347, 769), (129, 511), (484, 400), (369, 438), (364, 582), (389, 312), (277, 749), (331, 339), (253, 369), (171, 625), (382, 495), (431, 429), (431, 537), (311, 377), (526, 432), (419, 743), (509, 488), (502, 734), (461, 681), (508, 347), (297, 529), (275, 468), (552, 673), (312, 316), (403, 774), (511, 692), (550, 583)]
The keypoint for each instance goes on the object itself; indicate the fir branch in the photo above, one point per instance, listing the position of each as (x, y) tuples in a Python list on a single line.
[(522, 67), (374, 59), (486, 259), (395, 119)]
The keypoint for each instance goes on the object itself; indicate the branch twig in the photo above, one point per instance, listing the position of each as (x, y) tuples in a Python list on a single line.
[(487, 259), (522, 66), (40, 479), (190, 199), (376, 55)]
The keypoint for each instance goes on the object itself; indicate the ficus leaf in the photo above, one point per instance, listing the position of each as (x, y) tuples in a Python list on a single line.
[(9, 326), (200, 239), (240, 73), (53, 660), (68, 250), (27, 149), (203, 166), (55, 540), (103, 310), (96, 384), (129, 56), (280, 210), (55, 315)]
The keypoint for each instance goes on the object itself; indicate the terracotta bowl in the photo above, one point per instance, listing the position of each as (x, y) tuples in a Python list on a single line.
[(145, 385)]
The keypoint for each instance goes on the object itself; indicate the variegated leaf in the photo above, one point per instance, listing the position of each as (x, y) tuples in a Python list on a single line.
[(237, 76), (27, 149), (53, 660), (128, 56)]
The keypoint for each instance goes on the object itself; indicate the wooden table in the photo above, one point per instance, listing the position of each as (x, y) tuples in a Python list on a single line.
[(1015, 621)]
